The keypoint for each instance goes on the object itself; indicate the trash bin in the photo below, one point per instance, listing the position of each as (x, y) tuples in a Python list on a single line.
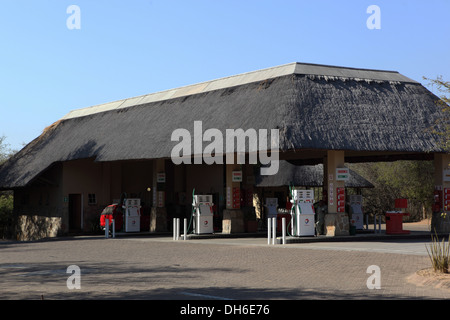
[(394, 222)]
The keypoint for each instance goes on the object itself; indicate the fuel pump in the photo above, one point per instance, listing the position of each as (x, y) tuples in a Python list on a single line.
[(132, 215), (272, 207), (356, 211), (446, 199), (202, 213), (302, 213), (437, 203)]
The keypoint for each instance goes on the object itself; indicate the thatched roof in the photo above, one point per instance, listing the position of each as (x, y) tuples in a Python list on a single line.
[(305, 176), (314, 107)]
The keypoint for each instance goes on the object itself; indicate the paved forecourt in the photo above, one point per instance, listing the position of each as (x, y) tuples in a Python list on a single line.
[(160, 268)]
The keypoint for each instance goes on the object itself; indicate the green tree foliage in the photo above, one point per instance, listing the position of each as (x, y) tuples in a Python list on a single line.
[(413, 180), (6, 197), (5, 151), (6, 215)]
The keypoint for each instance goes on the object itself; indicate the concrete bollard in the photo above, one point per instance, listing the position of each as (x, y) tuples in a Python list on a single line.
[(274, 230), (174, 229), (113, 228), (269, 232), (283, 230), (106, 228)]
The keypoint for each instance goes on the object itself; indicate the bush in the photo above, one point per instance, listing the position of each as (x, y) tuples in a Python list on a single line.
[(6, 215), (439, 254)]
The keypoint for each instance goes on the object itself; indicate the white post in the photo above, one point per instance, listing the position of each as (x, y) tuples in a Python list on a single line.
[(107, 228), (269, 224), (178, 229), (283, 229), (113, 228), (274, 230), (174, 228), (185, 228)]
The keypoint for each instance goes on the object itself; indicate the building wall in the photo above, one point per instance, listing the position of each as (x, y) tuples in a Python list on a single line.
[(97, 184), (137, 177), (108, 181), (85, 178)]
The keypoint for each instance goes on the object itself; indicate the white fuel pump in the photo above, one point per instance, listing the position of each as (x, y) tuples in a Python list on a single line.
[(203, 214), (132, 215), (356, 212), (302, 212), (272, 207)]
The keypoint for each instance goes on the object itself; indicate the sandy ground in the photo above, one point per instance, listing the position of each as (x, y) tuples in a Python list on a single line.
[(427, 277)]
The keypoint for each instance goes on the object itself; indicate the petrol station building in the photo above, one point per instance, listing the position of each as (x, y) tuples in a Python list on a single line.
[(325, 115)]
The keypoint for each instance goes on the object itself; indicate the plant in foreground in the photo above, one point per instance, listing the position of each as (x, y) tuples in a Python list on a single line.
[(438, 252)]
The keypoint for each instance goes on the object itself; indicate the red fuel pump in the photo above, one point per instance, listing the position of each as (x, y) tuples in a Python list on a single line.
[(394, 219)]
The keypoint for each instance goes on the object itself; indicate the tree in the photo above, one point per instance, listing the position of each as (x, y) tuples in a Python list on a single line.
[(5, 151), (413, 180), (6, 197)]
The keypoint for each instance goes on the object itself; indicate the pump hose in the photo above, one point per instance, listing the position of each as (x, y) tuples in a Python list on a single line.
[(290, 221), (192, 211), (292, 209)]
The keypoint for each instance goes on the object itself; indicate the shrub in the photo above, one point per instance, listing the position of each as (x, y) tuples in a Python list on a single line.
[(439, 254), (6, 215)]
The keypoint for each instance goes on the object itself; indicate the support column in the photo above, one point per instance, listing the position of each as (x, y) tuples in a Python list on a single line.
[(233, 216), (336, 223), (441, 222), (158, 215)]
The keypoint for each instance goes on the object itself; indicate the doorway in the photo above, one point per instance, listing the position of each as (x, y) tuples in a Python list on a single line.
[(75, 212)]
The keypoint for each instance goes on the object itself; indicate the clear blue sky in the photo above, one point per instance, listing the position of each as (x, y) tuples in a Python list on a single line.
[(129, 48)]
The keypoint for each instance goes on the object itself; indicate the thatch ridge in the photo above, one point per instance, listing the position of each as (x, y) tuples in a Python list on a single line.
[(313, 71)]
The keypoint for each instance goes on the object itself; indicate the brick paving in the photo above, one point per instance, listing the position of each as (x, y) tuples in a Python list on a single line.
[(160, 269)]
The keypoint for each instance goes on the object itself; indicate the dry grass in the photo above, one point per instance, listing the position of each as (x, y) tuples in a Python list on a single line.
[(439, 252)]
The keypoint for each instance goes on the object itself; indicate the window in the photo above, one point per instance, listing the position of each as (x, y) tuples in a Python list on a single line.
[(92, 199)]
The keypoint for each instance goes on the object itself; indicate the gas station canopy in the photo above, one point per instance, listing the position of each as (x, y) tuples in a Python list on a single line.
[(372, 115)]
